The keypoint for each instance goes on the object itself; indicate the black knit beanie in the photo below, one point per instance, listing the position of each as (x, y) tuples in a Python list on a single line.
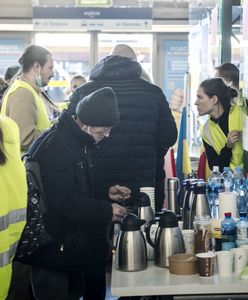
[(99, 109)]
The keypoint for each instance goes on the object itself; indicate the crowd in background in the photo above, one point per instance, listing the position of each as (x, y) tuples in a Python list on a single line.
[(108, 142)]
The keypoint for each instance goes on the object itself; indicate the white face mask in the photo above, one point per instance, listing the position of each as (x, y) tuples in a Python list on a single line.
[(38, 80)]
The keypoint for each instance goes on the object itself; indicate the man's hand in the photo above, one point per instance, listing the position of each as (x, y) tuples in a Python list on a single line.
[(119, 193), (118, 212)]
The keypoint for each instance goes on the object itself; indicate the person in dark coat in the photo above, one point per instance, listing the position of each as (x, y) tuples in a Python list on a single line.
[(75, 219), (134, 153)]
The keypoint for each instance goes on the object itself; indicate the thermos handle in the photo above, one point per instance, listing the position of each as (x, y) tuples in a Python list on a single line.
[(147, 231), (180, 196), (108, 233), (187, 199)]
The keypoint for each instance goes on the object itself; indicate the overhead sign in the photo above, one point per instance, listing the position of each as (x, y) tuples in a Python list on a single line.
[(92, 18)]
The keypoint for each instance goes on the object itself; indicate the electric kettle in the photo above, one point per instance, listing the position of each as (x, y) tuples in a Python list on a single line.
[(168, 238), (131, 252)]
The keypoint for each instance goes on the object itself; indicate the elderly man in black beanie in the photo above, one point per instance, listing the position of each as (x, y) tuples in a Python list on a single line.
[(74, 263)]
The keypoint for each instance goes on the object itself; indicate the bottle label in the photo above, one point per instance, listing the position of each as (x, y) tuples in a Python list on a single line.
[(241, 233)]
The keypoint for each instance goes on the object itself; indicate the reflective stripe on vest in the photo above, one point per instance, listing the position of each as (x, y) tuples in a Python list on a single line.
[(215, 137), (12, 217), (6, 257), (42, 121)]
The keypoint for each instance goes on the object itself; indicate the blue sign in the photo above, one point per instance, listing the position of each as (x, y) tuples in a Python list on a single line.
[(175, 66), (10, 51)]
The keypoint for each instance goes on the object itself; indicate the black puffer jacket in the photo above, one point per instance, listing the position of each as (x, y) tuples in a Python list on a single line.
[(133, 155), (75, 220)]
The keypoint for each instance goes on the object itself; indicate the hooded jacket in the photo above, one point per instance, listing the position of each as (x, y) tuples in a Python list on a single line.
[(134, 153), (75, 220)]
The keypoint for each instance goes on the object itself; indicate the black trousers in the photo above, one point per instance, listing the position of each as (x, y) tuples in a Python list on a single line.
[(20, 286), (50, 284)]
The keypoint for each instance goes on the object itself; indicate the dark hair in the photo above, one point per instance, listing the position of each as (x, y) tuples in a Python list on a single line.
[(32, 54), (11, 72), (216, 86), (229, 72), (3, 157)]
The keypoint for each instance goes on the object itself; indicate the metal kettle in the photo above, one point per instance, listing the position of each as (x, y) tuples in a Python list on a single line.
[(131, 252), (145, 211), (168, 238), (200, 204), (187, 202)]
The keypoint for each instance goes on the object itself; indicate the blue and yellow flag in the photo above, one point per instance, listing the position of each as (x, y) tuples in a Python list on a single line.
[(183, 164)]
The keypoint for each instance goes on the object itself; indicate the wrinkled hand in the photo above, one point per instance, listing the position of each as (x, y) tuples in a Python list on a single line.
[(119, 193), (232, 138), (118, 212)]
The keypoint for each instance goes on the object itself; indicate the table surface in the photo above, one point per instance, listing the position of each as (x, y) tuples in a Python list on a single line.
[(159, 281)]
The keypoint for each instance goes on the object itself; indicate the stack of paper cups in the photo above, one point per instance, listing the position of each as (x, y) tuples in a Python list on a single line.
[(227, 203)]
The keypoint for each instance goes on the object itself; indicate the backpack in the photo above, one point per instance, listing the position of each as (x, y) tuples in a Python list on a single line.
[(34, 234)]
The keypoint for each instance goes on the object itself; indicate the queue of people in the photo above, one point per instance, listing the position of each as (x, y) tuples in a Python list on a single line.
[(100, 151)]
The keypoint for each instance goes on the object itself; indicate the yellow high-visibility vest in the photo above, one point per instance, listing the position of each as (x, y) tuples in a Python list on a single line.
[(215, 137), (43, 121), (13, 201)]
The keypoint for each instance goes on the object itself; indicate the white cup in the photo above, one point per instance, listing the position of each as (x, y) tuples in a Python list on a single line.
[(245, 246), (224, 262), (188, 237), (240, 259)]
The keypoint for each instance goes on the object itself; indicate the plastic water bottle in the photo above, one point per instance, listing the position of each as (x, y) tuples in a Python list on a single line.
[(227, 177), (238, 187), (242, 229), (215, 185), (246, 195), (228, 232)]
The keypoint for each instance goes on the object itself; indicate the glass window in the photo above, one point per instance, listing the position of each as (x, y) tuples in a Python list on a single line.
[(71, 55)]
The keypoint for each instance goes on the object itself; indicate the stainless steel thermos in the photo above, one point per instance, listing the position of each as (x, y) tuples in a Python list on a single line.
[(168, 238), (131, 252)]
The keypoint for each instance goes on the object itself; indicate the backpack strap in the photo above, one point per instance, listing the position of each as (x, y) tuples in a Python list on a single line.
[(37, 148)]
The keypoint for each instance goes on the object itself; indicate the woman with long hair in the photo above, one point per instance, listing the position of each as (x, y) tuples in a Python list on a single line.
[(222, 131)]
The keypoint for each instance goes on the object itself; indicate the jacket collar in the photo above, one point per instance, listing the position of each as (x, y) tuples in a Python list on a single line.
[(70, 127), (116, 67)]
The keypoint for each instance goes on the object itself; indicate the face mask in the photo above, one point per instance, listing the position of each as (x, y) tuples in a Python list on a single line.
[(38, 80)]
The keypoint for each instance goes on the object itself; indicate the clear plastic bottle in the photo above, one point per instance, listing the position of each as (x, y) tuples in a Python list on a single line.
[(227, 177), (228, 232), (238, 179), (242, 229), (215, 185), (246, 195), (238, 187)]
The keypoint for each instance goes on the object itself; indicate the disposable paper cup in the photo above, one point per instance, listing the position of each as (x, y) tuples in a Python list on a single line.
[(205, 263), (240, 259), (224, 262)]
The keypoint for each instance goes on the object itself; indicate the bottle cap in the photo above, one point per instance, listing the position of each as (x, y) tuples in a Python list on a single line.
[(242, 214), (215, 168), (228, 214)]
